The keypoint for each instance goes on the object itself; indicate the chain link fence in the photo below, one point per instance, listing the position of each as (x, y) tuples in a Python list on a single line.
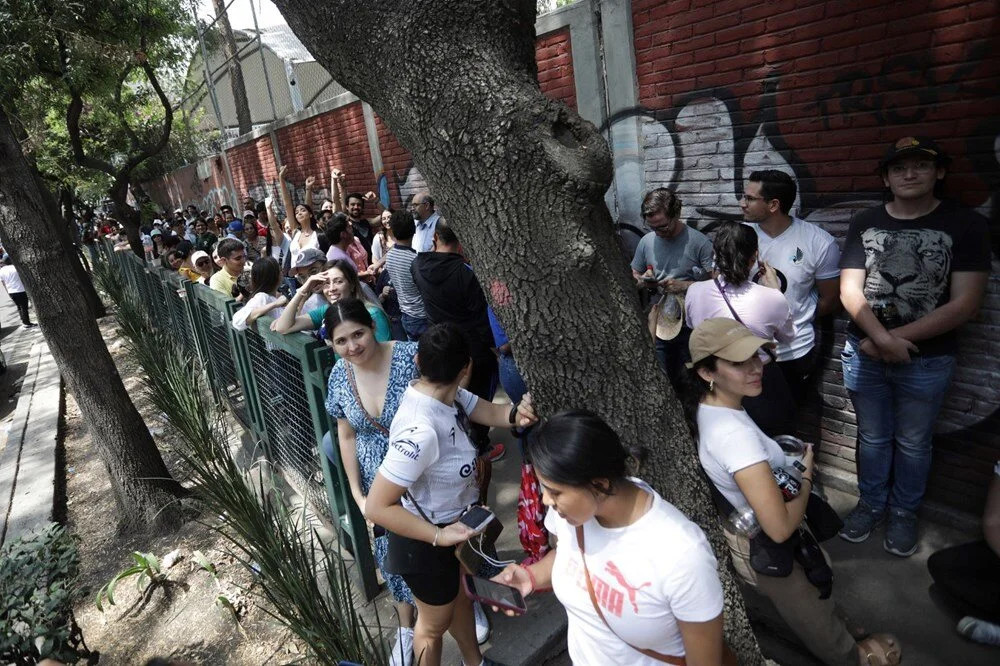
[(274, 385)]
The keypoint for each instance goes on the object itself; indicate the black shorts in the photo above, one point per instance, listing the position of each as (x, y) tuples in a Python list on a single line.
[(431, 572)]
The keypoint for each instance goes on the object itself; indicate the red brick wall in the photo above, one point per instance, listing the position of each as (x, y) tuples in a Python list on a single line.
[(334, 139), (555, 67), (338, 138), (819, 90), (253, 169)]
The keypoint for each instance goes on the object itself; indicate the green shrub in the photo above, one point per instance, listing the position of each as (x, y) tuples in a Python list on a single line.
[(38, 574)]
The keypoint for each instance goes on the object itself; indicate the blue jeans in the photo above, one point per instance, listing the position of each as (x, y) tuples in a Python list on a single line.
[(896, 405), (414, 326), (673, 354)]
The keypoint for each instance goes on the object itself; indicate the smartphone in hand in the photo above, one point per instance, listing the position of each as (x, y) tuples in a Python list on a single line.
[(490, 593), (477, 518)]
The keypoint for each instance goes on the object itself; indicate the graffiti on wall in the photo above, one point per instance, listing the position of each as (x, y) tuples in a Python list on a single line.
[(704, 147)]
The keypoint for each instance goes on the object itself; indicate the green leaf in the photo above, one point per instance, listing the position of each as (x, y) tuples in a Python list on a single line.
[(140, 559), (203, 562), (121, 576), (152, 562)]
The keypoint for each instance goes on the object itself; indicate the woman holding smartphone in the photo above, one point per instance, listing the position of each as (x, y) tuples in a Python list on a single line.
[(431, 465), (738, 458), (637, 578)]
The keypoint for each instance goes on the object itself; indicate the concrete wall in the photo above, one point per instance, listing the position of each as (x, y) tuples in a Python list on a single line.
[(694, 94)]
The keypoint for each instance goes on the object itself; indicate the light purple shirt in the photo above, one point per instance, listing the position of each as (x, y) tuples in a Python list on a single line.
[(335, 253), (762, 309)]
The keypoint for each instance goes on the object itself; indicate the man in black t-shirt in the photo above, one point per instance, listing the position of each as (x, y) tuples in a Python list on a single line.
[(912, 272)]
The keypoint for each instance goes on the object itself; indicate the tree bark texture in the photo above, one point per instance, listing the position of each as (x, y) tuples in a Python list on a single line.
[(144, 490), (522, 180), (235, 69), (62, 232)]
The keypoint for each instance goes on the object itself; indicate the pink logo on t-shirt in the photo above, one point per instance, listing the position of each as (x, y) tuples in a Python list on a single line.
[(613, 569)]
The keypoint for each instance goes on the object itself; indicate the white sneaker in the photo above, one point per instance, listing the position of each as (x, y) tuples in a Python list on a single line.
[(482, 623), (402, 650)]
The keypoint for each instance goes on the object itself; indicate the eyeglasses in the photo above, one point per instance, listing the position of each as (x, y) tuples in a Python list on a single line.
[(750, 197), (201, 262)]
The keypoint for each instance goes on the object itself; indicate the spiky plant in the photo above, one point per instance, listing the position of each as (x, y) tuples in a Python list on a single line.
[(266, 538)]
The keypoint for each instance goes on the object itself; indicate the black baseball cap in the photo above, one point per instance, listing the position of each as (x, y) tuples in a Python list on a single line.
[(917, 146)]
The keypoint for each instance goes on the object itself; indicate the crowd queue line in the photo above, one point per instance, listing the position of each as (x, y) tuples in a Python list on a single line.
[(420, 353)]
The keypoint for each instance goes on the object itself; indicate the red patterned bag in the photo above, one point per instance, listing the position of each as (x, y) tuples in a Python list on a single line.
[(531, 516)]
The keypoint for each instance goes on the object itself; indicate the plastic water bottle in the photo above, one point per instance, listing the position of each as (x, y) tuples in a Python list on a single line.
[(743, 521)]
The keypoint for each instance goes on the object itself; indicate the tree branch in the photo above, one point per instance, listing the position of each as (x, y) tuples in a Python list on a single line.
[(73, 113), (150, 149), (120, 110)]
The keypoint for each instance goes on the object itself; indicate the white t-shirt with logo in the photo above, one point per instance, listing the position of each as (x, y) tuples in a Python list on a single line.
[(728, 441), (804, 253), (431, 455), (646, 576)]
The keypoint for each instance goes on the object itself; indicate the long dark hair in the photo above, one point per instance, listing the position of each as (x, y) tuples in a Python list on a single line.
[(735, 245), (265, 276), (351, 275), (576, 448), (693, 390)]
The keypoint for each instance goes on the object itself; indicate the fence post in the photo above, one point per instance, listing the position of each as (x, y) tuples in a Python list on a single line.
[(350, 520)]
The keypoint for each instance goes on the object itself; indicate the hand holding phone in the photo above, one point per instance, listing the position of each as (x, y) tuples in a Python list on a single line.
[(497, 595)]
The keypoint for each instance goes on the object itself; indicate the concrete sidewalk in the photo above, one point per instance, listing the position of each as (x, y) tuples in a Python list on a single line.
[(885, 593), (28, 456)]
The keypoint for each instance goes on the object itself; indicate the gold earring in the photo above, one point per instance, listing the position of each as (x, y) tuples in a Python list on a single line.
[(711, 386)]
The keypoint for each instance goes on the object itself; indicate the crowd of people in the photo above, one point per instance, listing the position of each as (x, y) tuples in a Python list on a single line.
[(420, 353)]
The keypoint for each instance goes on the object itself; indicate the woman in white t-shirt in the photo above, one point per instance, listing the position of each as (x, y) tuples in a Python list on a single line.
[(650, 569), (760, 307), (738, 458), (265, 278), (300, 219), (432, 462)]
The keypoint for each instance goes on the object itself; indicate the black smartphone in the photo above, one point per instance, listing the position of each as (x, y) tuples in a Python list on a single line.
[(495, 594), (477, 518), (650, 279)]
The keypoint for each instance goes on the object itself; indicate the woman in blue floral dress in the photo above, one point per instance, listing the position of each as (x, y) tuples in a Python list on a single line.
[(363, 394)]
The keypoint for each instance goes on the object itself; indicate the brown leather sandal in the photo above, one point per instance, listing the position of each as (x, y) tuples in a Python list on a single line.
[(880, 650)]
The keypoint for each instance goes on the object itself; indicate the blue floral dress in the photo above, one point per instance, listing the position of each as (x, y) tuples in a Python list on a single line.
[(372, 443)]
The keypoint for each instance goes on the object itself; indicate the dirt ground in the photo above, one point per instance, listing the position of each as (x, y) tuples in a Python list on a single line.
[(181, 619)]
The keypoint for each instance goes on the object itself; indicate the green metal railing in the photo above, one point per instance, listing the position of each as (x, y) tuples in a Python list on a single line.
[(273, 384)]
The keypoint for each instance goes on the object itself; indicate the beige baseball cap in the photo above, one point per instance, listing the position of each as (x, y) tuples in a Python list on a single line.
[(724, 338)]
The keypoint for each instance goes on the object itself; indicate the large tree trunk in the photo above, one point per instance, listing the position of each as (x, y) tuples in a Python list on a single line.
[(144, 490), (68, 239), (522, 179), (126, 214), (235, 68)]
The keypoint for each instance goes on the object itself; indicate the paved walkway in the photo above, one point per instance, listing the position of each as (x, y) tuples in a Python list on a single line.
[(29, 418)]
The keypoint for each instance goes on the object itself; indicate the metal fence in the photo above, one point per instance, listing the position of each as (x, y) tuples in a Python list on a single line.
[(273, 384)]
